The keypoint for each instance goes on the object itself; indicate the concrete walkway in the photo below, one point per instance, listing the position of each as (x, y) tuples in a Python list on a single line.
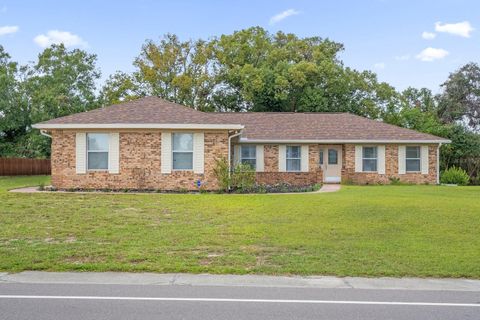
[(239, 280)]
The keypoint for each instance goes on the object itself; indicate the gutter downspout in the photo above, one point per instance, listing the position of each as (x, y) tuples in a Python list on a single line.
[(438, 163), (44, 133), (229, 150)]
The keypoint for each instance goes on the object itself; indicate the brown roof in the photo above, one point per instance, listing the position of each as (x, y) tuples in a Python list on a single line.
[(257, 126)]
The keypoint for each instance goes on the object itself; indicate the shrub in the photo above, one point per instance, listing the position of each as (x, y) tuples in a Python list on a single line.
[(221, 173), (41, 187), (455, 175), (243, 177)]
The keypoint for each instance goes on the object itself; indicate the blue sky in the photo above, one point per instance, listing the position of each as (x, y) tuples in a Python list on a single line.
[(380, 35)]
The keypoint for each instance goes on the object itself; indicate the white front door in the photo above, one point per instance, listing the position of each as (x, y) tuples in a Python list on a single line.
[(332, 163)]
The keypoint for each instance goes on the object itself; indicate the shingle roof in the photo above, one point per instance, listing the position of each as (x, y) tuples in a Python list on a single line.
[(261, 126)]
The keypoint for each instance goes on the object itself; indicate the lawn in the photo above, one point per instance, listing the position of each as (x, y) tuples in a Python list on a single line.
[(426, 231)]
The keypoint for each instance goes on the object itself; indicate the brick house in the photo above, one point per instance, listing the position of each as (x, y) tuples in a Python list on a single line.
[(151, 143)]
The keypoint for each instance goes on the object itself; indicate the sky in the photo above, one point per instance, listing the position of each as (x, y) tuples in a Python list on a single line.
[(407, 43)]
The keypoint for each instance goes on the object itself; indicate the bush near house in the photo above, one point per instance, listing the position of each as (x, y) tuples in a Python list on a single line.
[(455, 175)]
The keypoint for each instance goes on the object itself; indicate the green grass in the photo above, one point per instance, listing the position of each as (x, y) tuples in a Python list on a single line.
[(426, 231)]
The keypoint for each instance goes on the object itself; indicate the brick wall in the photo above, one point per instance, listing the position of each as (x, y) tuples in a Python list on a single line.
[(140, 163), (391, 168), (272, 176)]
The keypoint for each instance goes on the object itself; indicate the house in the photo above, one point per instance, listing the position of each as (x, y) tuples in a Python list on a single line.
[(151, 143)]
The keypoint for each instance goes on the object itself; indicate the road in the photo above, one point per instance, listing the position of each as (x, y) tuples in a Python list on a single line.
[(59, 301)]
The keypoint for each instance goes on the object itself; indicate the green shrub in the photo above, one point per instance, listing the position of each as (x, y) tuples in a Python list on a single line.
[(243, 177), (455, 175), (41, 187), (221, 173)]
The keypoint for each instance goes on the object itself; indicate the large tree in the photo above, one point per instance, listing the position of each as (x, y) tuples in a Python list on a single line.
[(14, 113), (282, 72), (60, 83), (460, 99)]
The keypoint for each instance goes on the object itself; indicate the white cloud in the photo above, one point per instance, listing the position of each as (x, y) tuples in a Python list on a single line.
[(462, 29), (57, 37), (402, 57), (431, 54), (283, 15), (379, 65), (428, 35), (8, 30)]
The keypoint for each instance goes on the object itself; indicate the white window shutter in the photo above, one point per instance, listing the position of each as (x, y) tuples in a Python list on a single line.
[(358, 158), (236, 154), (166, 156), (81, 152), (114, 152), (282, 158), (304, 158), (381, 159), (401, 159), (198, 152), (424, 159), (260, 162)]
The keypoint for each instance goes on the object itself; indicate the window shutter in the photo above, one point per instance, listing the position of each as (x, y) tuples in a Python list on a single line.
[(424, 159), (198, 152), (81, 152), (358, 158), (401, 159), (304, 158), (282, 158), (114, 152), (166, 156), (236, 154), (381, 159), (260, 163)]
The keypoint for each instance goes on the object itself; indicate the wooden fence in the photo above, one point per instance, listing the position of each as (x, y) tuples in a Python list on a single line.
[(24, 167)]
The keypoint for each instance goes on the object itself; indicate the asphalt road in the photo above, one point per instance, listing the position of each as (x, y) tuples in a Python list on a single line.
[(118, 301)]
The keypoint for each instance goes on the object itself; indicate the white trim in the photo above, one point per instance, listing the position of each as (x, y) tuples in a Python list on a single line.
[(81, 153), (424, 159), (260, 162), (282, 158), (402, 160), (137, 126), (381, 159), (246, 140), (304, 156), (114, 153), (198, 152), (358, 158), (166, 152)]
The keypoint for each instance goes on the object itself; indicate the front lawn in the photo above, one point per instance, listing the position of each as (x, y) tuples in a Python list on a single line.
[(426, 231)]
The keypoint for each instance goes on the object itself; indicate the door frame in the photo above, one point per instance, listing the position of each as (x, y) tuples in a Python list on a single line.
[(324, 166)]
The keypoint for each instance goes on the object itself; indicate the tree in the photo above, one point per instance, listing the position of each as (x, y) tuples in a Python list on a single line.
[(283, 72), (62, 82), (460, 99), (14, 111)]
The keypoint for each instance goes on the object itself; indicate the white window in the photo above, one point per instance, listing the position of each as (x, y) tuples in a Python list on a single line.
[(294, 156), (248, 155), (97, 151), (369, 159), (412, 159), (182, 151)]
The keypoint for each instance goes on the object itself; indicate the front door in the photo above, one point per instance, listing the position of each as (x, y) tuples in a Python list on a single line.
[(332, 163)]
